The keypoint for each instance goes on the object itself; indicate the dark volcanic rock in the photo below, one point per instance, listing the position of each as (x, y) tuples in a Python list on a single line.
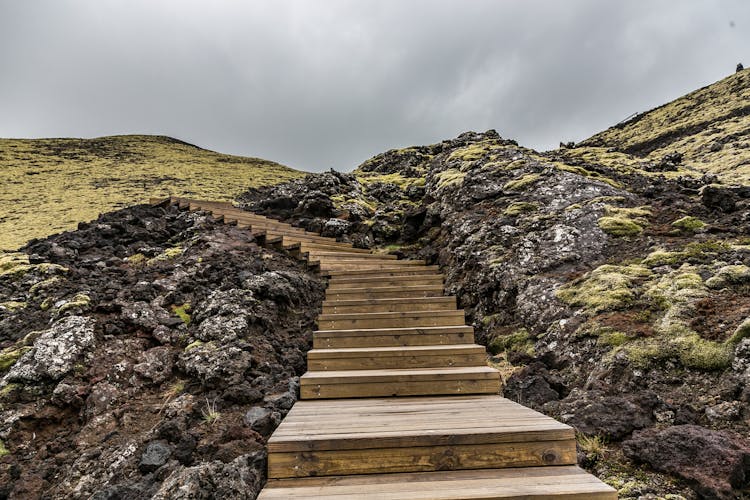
[(156, 454), (595, 414), (717, 463)]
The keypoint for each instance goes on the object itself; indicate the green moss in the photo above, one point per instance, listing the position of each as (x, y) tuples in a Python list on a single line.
[(522, 182), (742, 332), (575, 169), (663, 258), (137, 260), (14, 264), (166, 255), (81, 300), (607, 287), (729, 276), (182, 312), (701, 354), (9, 356), (474, 151), (619, 226), (193, 345), (3, 449), (612, 338), (13, 306), (518, 341), (46, 304), (450, 177), (43, 285), (396, 178), (689, 224), (520, 207), (623, 221)]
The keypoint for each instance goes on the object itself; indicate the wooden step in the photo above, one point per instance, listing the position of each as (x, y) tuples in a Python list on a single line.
[(393, 337), (382, 358), (328, 247), (529, 483), (329, 243), (389, 305), (388, 292), (353, 262), (339, 283), (391, 320), (394, 271), (387, 435), (322, 254), (399, 382)]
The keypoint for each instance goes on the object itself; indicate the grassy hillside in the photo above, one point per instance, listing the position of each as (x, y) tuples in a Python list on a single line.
[(50, 185), (709, 127)]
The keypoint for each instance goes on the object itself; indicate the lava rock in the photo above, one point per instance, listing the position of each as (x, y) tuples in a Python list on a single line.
[(716, 463), (594, 413), (55, 351), (156, 454), (719, 197)]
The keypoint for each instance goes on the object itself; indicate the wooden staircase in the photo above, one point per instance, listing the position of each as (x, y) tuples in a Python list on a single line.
[(399, 402)]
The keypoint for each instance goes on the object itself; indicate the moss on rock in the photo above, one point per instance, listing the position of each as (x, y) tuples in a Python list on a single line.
[(607, 287), (689, 224), (522, 182), (520, 207)]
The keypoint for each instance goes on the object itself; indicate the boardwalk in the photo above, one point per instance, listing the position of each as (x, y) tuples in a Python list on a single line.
[(398, 402)]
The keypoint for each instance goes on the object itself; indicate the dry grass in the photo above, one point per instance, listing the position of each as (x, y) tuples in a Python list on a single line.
[(50, 185)]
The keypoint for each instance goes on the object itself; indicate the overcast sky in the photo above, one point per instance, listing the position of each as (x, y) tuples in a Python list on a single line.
[(329, 83)]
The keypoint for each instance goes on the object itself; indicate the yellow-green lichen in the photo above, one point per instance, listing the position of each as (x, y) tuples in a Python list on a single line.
[(79, 301), (518, 341), (13, 306), (608, 287), (450, 177), (396, 178), (9, 356), (3, 449), (193, 345), (137, 260), (522, 182), (182, 312), (520, 207), (166, 255), (44, 284)]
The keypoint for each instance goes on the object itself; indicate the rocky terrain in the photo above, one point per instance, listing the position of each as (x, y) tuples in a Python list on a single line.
[(81, 178), (610, 280), (150, 353)]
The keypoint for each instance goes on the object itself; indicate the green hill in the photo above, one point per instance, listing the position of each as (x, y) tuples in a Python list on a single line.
[(50, 185)]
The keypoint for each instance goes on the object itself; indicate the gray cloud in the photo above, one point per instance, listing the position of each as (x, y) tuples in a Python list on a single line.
[(328, 84)]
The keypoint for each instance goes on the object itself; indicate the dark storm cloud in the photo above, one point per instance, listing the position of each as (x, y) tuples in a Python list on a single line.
[(329, 83)]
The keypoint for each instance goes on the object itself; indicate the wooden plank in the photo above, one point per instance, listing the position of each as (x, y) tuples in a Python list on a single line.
[(335, 255), (395, 388), (393, 337), (529, 483), (396, 357), (397, 281), (351, 273), (389, 305), (391, 320), (419, 459), (385, 292)]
